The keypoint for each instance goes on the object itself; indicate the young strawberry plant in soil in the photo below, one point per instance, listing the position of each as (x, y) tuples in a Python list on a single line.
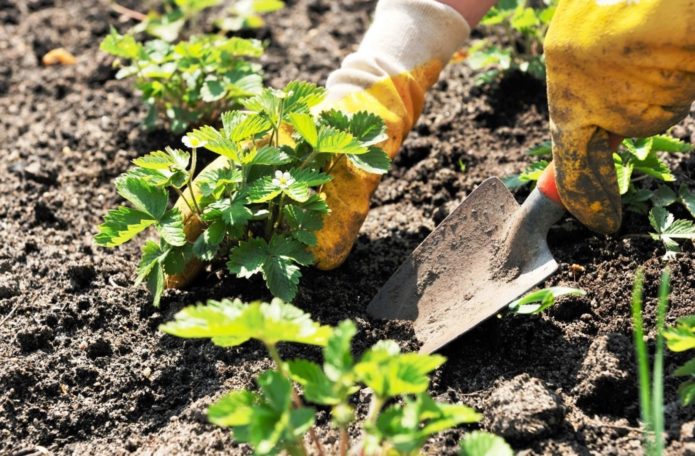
[(85, 369)]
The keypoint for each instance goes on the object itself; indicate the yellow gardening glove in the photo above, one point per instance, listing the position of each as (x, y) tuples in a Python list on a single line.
[(621, 66), (400, 58)]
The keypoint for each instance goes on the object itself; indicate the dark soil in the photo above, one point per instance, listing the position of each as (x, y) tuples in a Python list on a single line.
[(84, 369)]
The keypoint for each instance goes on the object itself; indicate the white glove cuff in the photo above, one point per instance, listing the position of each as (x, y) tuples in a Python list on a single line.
[(404, 35)]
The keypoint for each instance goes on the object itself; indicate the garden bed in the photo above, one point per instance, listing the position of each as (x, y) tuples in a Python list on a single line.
[(84, 369)]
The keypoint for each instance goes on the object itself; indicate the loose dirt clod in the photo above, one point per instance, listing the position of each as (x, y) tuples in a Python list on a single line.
[(606, 382), (523, 409)]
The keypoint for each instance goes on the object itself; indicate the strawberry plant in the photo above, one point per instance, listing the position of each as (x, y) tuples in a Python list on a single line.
[(523, 26), (262, 205), (274, 417), (681, 337), (537, 301), (176, 16), (645, 181), (190, 82)]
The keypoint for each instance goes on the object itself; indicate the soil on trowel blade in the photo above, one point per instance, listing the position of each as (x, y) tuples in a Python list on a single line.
[(84, 369)]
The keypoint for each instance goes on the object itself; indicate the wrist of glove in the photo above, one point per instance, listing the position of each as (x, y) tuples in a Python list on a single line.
[(400, 58)]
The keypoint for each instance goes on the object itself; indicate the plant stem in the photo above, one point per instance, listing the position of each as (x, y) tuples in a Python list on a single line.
[(270, 222), (374, 409), (308, 159), (328, 171), (190, 179), (180, 193), (278, 221), (344, 441), (280, 366), (122, 10)]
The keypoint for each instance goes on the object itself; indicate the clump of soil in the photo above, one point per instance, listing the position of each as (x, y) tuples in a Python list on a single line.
[(85, 370)]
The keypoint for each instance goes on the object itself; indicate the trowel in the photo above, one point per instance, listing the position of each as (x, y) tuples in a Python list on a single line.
[(489, 251)]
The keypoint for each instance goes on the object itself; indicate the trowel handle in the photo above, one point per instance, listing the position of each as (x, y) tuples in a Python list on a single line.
[(547, 185)]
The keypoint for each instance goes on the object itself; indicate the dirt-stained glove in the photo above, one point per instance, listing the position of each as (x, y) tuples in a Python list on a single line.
[(399, 59), (621, 66)]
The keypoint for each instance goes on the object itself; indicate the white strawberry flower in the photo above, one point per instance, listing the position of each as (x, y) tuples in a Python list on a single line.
[(192, 142), (283, 180)]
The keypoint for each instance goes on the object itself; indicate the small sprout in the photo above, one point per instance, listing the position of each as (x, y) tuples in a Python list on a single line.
[(538, 301)]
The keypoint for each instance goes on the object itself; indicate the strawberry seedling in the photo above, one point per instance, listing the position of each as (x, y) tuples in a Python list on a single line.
[(401, 416), (261, 205), (191, 82), (523, 27)]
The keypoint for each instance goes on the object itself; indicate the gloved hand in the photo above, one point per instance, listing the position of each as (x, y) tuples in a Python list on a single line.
[(399, 59), (621, 66)]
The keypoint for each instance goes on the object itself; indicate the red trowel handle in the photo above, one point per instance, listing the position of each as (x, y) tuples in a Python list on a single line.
[(547, 186)]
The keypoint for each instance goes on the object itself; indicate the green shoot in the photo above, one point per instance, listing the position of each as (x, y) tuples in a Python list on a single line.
[(262, 205), (681, 338), (523, 26), (190, 82), (651, 390), (274, 418), (540, 300)]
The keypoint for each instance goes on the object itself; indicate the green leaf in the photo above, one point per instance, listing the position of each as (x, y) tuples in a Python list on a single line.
[(542, 150), (310, 177), (375, 161), (480, 443), (170, 227), (212, 90), (686, 392), (301, 95), (367, 128), (155, 283), (301, 420), (639, 147), (302, 223), (653, 166), (215, 181), (262, 190), (317, 387), (248, 257), (161, 160), (686, 369), (337, 354), (687, 198), (305, 126), (208, 243), (390, 373), (336, 119), (123, 46), (121, 225), (152, 254), (239, 127), (232, 212), (538, 301), (177, 258), (144, 197), (298, 191), (682, 336), (665, 143), (334, 141), (270, 323), (664, 196), (282, 277), (668, 229), (233, 409), (268, 155)]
